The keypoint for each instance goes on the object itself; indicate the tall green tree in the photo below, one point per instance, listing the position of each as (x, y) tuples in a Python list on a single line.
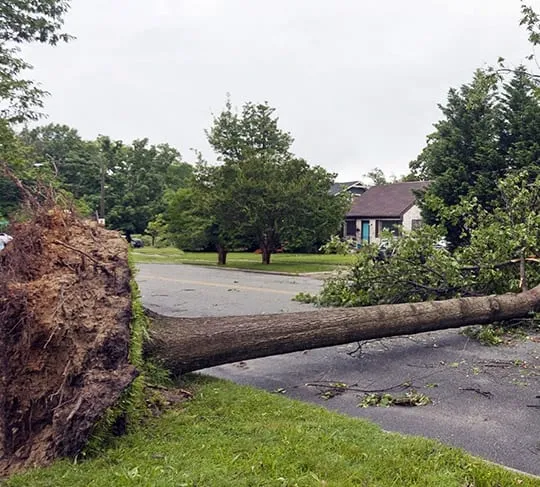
[(282, 199), (491, 128), (519, 137), (75, 161), (463, 157), (136, 179), (16, 156), (260, 192), (21, 22)]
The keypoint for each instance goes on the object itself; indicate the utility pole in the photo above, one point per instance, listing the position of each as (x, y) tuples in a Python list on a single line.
[(102, 189)]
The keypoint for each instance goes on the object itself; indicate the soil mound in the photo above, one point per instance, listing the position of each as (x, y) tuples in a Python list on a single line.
[(65, 311)]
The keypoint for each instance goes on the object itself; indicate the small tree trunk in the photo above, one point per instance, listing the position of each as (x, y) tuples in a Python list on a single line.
[(187, 344), (222, 255), (153, 240), (266, 253)]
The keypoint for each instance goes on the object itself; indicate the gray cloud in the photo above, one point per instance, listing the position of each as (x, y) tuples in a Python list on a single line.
[(356, 83)]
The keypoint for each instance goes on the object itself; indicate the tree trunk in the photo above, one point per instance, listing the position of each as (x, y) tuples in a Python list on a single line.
[(266, 252), (266, 256), (266, 242), (222, 255), (187, 344)]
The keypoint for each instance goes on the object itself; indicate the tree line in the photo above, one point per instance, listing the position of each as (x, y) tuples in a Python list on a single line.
[(257, 194), (123, 183)]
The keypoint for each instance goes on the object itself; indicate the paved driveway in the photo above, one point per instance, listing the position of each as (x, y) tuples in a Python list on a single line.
[(483, 397)]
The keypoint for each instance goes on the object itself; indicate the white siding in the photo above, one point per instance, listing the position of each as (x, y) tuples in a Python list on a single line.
[(412, 214), (372, 231)]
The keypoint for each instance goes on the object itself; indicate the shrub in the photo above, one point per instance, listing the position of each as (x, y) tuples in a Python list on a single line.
[(337, 246)]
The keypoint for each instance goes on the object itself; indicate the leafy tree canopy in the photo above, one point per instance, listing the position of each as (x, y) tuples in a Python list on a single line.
[(137, 176), (252, 133), (125, 183), (259, 193), (491, 128), (76, 162), (25, 21)]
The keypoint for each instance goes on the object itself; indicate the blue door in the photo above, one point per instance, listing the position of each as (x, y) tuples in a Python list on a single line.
[(365, 231)]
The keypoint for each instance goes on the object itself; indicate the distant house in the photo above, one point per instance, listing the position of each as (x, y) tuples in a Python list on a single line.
[(354, 187), (383, 208)]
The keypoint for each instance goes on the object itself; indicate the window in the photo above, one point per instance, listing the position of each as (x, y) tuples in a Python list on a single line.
[(416, 224), (350, 228), (390, 225)]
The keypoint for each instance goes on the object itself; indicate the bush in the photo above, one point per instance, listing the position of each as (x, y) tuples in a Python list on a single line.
[(146, 240), (162, 242), (412, 269), (337, 246)]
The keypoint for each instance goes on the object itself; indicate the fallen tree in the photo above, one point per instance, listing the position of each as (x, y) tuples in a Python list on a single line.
[(65, 311), (187, 344)]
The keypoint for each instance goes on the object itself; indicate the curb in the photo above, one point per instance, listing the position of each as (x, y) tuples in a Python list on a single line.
[(312, 275)]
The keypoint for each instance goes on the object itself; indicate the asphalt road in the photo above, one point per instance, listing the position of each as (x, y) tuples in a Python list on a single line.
[(187, 290), (483, 398)]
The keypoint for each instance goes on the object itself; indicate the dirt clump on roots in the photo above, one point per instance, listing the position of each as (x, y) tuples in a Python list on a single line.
[(65, 312)]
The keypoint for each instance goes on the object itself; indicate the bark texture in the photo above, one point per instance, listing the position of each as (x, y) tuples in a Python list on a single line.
[(222, 255), (188, 344)]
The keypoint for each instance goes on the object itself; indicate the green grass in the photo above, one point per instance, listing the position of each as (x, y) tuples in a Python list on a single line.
[(132, 406), (291, 263), (237, 436)]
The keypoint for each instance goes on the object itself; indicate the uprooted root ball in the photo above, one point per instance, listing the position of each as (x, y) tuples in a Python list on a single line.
[(65, 310)]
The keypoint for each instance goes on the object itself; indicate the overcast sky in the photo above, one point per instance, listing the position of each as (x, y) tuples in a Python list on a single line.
[(356, 83)]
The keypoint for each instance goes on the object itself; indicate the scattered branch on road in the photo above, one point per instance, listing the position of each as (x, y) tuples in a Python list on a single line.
[(487, 394), (358, 349), (340, 386)]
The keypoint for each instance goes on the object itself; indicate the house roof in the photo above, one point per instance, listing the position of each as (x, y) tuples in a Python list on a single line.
[(339, 187), (386, 200)]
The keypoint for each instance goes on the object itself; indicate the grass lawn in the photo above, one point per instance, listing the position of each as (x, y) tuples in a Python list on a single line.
[(292, 263), (238, 436)]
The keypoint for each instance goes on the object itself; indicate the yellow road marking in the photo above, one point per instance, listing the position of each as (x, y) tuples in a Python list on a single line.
[(217, 284)]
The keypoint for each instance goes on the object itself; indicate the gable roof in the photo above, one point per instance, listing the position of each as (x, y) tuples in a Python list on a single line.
[(339, 187), (386, 200)]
